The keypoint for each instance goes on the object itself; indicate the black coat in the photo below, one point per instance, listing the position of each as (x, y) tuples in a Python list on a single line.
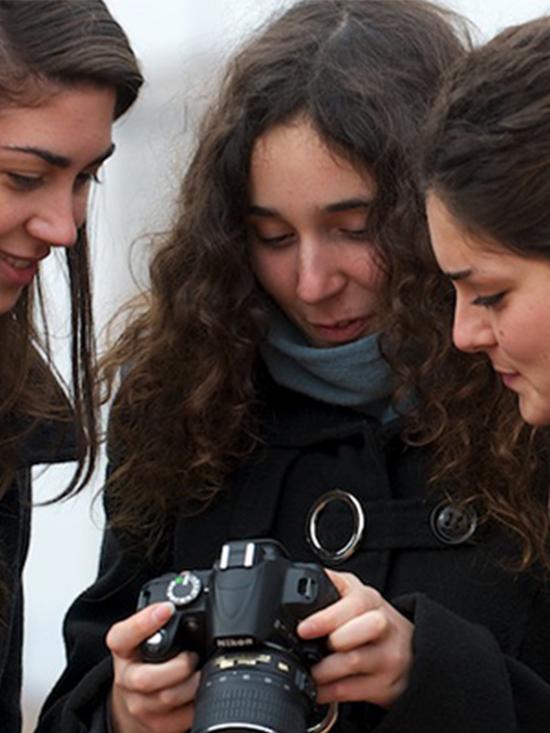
[(49, 443), (482, 634)]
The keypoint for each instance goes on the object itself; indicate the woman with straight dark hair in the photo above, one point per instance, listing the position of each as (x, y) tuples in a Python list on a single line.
[(255, 403), (66, 72)]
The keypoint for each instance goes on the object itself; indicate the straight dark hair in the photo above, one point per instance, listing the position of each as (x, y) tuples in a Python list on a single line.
[(60, 43), (45, 44)]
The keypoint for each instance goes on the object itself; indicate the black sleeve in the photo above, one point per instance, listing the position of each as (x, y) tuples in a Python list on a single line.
[(462, 681), (78, 699)]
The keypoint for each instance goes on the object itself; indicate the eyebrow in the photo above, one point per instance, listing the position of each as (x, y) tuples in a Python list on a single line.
[(59, 161), (459, 275), (345, 205)]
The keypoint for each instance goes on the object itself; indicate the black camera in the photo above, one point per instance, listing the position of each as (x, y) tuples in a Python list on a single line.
[(241, 618)]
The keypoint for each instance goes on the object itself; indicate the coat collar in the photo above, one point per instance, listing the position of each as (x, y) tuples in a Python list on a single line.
[(291, 419)]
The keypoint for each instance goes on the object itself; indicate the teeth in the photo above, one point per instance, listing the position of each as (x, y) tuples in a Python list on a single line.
[(17, 263)]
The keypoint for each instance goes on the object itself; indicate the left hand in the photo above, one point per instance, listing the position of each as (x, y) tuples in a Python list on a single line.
[(370, 643)]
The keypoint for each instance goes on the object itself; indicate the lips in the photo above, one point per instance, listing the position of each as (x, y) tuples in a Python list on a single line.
[(18, 271), (509, 379), (338, 332), (18, 263), (338, 324)]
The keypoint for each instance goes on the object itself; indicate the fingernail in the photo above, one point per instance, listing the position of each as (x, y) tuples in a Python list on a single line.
[(163, 612)]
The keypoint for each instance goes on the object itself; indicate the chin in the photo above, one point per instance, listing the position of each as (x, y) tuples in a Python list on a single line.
[(7, 303), (537, 415)]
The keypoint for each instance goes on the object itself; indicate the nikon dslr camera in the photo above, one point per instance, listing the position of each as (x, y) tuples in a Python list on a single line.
[(241, 618)]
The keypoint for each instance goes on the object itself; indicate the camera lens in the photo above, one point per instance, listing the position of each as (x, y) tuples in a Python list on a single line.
[(264, 690)]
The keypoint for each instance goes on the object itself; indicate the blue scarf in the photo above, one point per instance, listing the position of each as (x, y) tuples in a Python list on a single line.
[(352, 375)]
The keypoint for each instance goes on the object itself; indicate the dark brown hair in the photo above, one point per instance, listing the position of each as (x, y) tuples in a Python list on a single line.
[(60, 43), (364, 73), (487, 158)]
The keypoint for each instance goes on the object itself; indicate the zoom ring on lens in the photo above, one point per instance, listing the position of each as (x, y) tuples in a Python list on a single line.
[(263, 692)]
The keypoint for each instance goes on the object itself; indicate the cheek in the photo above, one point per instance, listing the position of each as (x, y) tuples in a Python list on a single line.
[(367, 271), (274, 271), (14, 213), (521, 341)]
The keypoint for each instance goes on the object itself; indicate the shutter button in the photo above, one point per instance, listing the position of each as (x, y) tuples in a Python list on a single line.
[(453, 525)]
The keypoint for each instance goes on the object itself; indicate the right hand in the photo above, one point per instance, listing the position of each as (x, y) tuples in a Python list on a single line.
[(150, 698)]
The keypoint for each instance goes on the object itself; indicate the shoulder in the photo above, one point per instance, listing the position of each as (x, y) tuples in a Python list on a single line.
[(50, 438), (48, 441)]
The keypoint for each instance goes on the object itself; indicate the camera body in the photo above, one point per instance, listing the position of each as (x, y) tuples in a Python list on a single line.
[(241, 618)]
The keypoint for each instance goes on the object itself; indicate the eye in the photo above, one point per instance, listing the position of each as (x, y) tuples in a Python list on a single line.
[(360, 234), (25, 183), (86, 177), (275, 241), (488, 301)]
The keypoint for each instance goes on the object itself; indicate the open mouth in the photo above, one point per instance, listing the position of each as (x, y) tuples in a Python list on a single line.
[(342, 331), (18, 263)]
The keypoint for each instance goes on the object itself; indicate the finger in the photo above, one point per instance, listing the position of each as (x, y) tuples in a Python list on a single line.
[(356, 600), (337, 666), (370, 627), (147, 679), (344, 582), (378, 689), (125, 636), (177, 720), (168, 699), (181, 694), (351, 689)]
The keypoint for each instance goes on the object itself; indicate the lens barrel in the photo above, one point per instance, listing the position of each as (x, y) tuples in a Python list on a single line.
[(268, 691)]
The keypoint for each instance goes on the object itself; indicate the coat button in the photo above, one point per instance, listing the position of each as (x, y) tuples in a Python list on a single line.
[(453, 525)]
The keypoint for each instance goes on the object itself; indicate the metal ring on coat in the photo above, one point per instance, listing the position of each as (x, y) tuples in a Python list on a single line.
[(335, 557)]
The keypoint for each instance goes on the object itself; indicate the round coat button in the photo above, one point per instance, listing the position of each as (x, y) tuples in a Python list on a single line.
[(453, 525)]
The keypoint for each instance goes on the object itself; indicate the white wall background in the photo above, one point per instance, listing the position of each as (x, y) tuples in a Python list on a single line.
[(181, 45)]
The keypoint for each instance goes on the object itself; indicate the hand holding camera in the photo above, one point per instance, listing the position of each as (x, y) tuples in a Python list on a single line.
[(371, 645), (277, 640), (150, 697), (241, 619)]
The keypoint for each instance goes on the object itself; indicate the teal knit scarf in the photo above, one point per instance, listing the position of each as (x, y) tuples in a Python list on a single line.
[(353, 375)]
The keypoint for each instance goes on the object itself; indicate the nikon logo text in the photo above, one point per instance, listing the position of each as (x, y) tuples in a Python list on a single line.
[(235, 643)]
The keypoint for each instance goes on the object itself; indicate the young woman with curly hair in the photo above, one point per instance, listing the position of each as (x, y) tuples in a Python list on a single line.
[(66, 72), (255, 403)]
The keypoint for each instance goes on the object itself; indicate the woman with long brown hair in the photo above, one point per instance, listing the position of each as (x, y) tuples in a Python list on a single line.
[(255, 403), (66, 72), (484, 171)]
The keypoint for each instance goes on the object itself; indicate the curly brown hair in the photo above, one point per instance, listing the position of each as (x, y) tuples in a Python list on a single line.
[(487, 158), (363, 72)]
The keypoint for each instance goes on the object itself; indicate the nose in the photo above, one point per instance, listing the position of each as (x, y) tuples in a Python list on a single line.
[(58, 219), (472, 328), (320, 275)]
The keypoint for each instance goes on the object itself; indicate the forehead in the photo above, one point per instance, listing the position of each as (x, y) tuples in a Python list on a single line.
[(463, 256), (69, 118), (296, 154), (454, 246)]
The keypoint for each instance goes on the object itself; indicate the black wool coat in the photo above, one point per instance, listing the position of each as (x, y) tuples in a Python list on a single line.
[(482, 634), (48, 443)]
